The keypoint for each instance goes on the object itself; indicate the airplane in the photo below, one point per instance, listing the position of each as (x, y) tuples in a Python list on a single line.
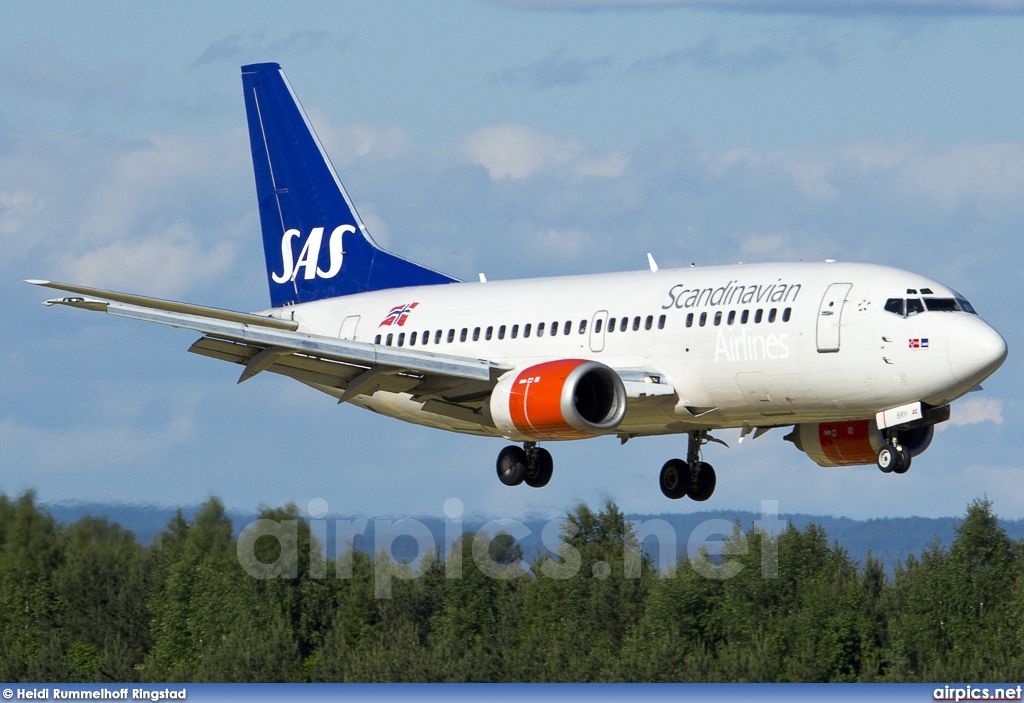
[(861, 361)]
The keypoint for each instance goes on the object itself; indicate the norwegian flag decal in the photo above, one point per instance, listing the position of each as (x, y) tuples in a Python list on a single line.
[(398, 315)]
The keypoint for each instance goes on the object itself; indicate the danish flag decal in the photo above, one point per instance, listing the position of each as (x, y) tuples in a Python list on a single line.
[(919, 343), (398, 315)]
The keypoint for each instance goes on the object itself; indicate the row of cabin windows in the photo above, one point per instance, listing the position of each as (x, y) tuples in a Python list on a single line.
[(527, 330), (744, 317), (623, 323)]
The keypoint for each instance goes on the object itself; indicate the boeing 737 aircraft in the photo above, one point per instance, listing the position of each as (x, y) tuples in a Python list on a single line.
[(860, 360)]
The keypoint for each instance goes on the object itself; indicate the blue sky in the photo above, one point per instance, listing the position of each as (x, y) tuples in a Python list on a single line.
[(511, 137)]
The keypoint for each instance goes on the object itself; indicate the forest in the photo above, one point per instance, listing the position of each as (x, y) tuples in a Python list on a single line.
[(84, 601)]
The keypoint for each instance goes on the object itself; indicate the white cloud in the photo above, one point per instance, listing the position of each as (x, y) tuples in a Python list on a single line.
[(168, 264), (973, 411), (516, 151), (57, 451), (345, 143)]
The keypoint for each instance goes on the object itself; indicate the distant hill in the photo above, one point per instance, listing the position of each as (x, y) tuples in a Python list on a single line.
[(888, 539)]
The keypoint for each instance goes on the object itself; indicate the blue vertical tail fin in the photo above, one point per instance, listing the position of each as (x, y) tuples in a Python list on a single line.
[(314, 242)]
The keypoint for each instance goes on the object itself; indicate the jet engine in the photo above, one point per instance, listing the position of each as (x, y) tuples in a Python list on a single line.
[(853, 442), (563, 399)]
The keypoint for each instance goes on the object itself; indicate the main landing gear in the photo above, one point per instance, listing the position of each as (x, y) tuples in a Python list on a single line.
[(893, 457), (530, 464), (692, 477)]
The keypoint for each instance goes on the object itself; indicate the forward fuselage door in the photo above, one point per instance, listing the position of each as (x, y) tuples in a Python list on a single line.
[(830, 316), (597, 330)]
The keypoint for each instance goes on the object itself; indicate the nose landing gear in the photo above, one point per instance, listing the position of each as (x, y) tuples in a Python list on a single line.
[(530, 464), (894, 457), (692, 477)]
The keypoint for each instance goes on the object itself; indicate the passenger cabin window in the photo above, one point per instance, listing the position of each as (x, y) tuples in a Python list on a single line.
[(649, 322), (501, 332), (732, 317), (786, 313), (661, 322), (703, 319), (412, 339), (476, 334), (526, 330), (771, 315), (624, 324), (515, 331), (426, 337), (611, 325), (451, 336), (914, 306), (757, 316), (636, 323), (462, 334), (437, 337), (583, 326), (554, 328), (540, 329), (376, 340), (390, 338), (488, 333), (718, 318), (401, 339), (597, 326), (689, 319), (744, 316)]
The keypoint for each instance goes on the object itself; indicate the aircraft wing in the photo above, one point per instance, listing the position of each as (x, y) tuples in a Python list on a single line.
[(450, 384)]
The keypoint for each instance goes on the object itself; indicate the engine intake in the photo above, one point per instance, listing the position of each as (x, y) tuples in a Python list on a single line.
[(563, 399)]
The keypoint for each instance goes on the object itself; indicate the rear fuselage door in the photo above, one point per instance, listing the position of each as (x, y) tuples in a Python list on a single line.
[(830, 316), (597, 330), (348, 327)]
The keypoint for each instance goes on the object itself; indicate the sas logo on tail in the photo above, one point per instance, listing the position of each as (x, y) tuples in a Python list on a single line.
[(309, 257), (398, 315)]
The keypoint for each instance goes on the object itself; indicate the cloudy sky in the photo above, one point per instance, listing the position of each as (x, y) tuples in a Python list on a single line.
[(518, 138)]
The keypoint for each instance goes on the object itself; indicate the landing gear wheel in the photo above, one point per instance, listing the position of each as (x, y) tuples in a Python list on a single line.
[(539, 468), (512, 465), (674, 479), (702, 482), (886, 458), (894, 458), (902, 466)]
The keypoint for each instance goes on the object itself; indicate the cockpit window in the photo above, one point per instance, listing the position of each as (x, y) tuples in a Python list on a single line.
[(942, 304), (965, 306), (904, 307)]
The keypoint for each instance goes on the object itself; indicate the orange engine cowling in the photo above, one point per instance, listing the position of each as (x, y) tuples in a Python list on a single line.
[(852, 442), (564, 399)]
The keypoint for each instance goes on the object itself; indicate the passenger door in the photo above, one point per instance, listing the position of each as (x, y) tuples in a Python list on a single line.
[(830, 316)]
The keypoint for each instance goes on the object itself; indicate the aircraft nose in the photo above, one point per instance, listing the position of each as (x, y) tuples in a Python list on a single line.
[(975, 349)]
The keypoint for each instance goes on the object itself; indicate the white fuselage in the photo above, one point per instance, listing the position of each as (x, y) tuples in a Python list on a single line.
[(780, 343)]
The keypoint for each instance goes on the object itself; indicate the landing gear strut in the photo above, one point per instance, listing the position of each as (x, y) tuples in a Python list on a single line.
[(530, 464), (692, 477), (893, 457)]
